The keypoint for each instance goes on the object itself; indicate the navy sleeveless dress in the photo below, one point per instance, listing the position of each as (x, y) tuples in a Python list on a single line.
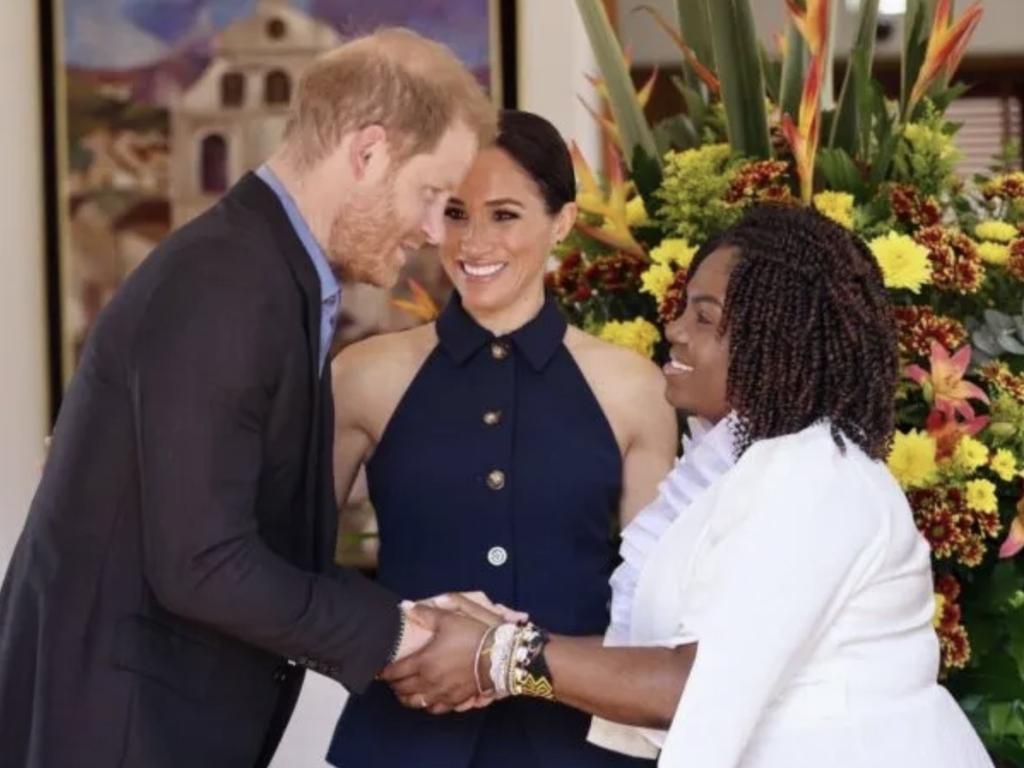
[(497, 472)]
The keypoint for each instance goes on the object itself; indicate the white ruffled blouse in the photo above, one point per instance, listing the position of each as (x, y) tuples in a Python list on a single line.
[(802, 577), (707, 455)]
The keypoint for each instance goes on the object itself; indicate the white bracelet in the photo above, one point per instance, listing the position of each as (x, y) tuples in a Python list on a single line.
[(501, 658)]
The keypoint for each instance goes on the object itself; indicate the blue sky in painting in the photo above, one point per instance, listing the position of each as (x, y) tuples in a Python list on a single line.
[(117, 34)]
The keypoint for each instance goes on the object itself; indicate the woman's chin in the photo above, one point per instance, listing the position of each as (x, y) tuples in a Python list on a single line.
[(680, 397), (481, 298)]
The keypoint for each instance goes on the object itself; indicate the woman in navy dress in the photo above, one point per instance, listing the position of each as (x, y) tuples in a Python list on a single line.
[(499, 445)]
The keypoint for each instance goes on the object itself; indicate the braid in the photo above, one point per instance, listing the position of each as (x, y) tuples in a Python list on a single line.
[(811, 330)]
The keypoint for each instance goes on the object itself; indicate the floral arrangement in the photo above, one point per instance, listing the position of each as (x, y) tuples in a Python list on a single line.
[(761, 128)]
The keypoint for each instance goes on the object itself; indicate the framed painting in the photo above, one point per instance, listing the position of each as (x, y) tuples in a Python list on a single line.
[(149, 123)]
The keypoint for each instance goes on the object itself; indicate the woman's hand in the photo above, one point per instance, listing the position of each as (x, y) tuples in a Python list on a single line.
[(478, 606)]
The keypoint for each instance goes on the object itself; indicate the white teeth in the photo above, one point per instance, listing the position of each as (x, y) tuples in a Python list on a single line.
[(487, 270), (676, 365)]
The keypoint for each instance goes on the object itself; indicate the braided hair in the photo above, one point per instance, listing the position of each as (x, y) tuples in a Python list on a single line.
[(811, 330)]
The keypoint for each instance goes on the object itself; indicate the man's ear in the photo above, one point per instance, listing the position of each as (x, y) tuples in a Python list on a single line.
[(367, 149)]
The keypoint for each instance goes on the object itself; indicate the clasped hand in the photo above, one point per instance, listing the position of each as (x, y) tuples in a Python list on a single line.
[(441, 675)]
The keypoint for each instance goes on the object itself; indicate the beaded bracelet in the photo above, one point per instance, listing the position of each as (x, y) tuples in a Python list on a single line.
[(501, 657), (483, 649), (530, 674)]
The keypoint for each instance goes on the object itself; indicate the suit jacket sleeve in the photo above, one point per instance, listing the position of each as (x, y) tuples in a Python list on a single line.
[(205, 363), (798, 532)]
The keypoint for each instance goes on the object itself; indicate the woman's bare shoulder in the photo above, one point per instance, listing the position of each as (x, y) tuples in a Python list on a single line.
[(382, 363), (606, 362)]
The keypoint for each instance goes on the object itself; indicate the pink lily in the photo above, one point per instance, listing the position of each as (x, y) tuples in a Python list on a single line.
[(1014, 541), (947, 430), (945, 384)]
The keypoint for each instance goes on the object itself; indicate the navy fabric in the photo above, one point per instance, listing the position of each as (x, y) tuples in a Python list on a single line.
[(537, 537)]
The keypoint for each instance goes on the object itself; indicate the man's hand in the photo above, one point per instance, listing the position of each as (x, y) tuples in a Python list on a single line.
[(419, 630), (468, 603), (440, 677)]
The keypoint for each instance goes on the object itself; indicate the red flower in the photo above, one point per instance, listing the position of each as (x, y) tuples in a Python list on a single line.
[(911, 209), (918, 327), (760, 181), (954, 531), (947, 430), (615, 273), (956, 265), (1015, 264), (674, 300), (999, 375)]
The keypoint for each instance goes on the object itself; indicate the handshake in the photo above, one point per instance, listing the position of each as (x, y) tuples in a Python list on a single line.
[(460, 651)]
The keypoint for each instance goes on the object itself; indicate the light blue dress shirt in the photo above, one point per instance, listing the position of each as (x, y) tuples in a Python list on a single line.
[(330, 288)]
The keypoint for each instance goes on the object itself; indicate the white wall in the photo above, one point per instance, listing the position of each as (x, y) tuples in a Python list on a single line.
[(24, 400), (554, 56)]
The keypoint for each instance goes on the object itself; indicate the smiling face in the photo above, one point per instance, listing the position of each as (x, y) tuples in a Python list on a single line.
[(499, 234), (697, 373)]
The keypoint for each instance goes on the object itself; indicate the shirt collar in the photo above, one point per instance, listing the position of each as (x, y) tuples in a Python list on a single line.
[(329, 285), (461, 336)]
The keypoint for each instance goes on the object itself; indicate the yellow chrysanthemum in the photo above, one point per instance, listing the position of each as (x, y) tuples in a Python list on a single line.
[(904, 262), (970, 454), (912, 459), (636, 213), (637, 334), (657, 280), (940, 606), (674, 252), (981, 496), (996, 231), (994, 253), (838, 206), (1004, 464)]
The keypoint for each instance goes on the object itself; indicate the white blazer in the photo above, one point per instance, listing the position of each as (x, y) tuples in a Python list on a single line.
[(804, 581)]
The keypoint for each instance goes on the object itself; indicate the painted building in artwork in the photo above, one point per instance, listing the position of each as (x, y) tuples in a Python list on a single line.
[(234, 115)]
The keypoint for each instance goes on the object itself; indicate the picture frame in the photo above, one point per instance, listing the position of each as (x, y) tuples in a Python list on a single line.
[(127, 160)]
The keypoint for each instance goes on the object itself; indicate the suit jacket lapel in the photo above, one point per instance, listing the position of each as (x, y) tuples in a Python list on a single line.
[(254, 193)]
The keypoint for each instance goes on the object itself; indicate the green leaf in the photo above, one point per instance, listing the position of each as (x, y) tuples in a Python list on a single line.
[(882, 161), (1006, 719), (1007, 753), (840, 172), (997, 676), (943, 97), (847, 130), (734, 39), (629, 115), (793, 67), (1004, 581), (695, 27), (917, 23), (828, 88), (677, 132), (772, 73), (696, 104), (646, 176)]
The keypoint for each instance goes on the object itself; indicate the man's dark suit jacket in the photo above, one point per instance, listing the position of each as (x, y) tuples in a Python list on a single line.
[(177, 557)]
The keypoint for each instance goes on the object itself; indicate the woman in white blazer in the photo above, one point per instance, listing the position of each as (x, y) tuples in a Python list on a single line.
[(774, 605)]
